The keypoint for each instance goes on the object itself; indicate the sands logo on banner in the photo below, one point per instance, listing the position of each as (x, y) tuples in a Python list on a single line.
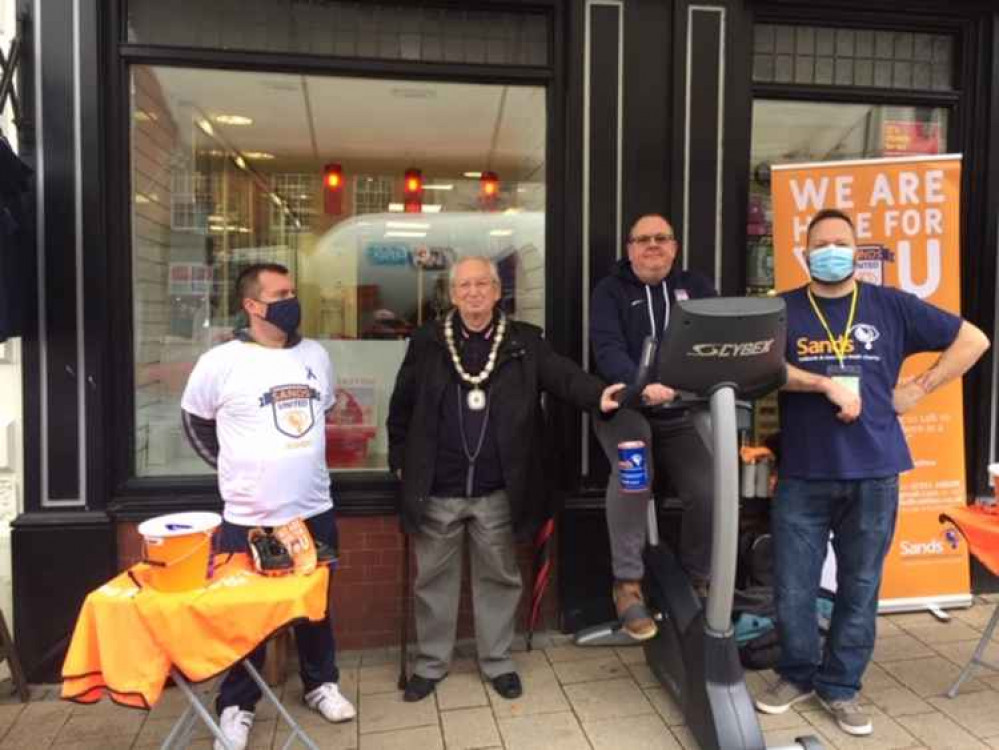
[(907, 215)]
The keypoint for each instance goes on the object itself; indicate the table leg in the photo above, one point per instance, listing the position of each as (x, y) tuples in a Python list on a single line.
[(976, 658), (198, 709), (296, 729), (179, 730)]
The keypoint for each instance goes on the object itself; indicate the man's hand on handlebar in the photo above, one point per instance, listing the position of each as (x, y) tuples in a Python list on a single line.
[(607, 401), (655, 394), (847, 400)]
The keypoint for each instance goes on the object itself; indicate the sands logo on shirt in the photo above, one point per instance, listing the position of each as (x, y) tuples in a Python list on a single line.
[(292, 407), (807, 347)]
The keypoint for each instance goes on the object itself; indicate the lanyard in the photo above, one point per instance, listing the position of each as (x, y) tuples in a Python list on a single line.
[(652, 317), (838, 346)]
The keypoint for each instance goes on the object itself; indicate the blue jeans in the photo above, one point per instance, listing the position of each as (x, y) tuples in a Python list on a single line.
[(861, 515), (316, 647)]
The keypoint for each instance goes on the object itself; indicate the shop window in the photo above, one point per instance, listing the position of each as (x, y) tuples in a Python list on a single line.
[(814, 55), (801, 131), (231, 168), (384, 31)]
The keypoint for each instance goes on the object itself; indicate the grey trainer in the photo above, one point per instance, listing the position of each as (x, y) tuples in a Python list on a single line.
[(849, 715), (780, 696)]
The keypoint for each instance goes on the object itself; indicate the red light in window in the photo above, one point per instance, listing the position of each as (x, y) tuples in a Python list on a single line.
[(412, 188), (489, 190), (333, 189)]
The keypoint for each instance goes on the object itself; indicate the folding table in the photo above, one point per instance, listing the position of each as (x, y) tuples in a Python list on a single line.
[(980, 528), (129, 638)]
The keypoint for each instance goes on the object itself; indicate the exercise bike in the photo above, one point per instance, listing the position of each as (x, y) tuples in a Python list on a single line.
[(713, 351)]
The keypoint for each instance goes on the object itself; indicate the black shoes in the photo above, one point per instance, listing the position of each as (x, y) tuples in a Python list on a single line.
[(270, 556), (508, 685), (418, 688)]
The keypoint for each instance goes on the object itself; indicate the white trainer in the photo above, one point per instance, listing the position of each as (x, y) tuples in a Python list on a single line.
[(328, 701), (235, 724)]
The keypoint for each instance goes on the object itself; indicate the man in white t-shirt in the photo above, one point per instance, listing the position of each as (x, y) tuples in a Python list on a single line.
[(254, 408)]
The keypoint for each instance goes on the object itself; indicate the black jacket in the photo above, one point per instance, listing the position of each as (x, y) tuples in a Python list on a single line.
[(619, 316), (526, 365)]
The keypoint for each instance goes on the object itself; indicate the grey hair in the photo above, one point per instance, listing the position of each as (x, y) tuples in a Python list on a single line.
[(493, 270)]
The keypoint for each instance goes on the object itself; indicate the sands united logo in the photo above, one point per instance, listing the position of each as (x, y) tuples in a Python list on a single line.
[(292, 408)]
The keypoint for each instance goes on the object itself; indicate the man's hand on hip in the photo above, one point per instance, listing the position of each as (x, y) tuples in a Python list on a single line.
[(655, 394), (907, 394)]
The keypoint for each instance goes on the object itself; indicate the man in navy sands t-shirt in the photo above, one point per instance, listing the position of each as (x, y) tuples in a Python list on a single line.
[(842, 449)]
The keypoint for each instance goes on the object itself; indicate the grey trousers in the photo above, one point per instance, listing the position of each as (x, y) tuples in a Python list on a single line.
[(496, 584), (678, 452)]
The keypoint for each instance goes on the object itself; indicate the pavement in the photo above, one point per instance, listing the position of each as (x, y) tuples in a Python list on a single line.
[(574, 699)]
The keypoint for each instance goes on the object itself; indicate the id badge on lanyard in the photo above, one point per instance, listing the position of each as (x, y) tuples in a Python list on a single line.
[(846, 375), (842, 373)]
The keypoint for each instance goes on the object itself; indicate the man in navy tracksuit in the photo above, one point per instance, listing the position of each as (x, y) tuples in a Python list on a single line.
[(627, 306)]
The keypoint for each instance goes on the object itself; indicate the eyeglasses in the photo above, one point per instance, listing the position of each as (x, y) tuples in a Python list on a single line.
[(648, 239), (464, 287)]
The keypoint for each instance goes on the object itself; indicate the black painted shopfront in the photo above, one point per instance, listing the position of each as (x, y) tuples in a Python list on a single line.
[(173, 142)]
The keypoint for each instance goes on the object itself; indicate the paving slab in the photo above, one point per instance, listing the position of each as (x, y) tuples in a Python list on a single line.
[(634, 732), (559, 731), (939, 732), (470, 728)]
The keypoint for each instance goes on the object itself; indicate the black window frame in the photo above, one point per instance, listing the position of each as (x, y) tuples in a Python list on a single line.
[(356, 493)]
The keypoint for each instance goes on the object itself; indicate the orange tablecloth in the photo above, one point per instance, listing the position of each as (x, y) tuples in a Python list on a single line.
[(128, 635), (981, 529)]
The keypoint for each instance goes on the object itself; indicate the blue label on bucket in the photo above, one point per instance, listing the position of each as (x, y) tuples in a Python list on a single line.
[(178, 527), (632, 467)]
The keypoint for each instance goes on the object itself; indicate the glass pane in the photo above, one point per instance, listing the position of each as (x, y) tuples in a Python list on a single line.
[(230, 168), (763, 68), (785, 39), (903, 46), (844, 72), (845, 43), (784, 70), (763, 38), (806, 40), (863, 73), (804, 69), (865, 44), (824, 70), (825, 42), (352, 29)]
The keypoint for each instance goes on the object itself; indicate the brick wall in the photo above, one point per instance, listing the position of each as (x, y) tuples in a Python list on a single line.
[(367, 587)]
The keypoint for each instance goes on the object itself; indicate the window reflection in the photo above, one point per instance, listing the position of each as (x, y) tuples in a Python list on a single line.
[(317, 173), (787, 132), (797, 132)]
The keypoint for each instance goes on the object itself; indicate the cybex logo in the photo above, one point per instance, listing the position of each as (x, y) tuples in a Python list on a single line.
[(744, 349)]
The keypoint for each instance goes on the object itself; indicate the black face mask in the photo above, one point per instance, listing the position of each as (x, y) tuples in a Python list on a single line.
[(286, 314)]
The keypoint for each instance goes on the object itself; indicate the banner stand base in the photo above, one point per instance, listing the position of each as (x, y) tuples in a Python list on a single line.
[(935, 605)]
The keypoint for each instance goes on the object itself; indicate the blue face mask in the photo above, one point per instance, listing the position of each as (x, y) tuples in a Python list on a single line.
[(831, 263), (286, 314)]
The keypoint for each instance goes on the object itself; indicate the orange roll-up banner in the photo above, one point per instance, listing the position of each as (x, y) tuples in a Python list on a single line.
[(907, 215)]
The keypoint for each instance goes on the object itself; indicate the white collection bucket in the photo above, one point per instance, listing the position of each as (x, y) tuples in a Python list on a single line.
[(178, 549)]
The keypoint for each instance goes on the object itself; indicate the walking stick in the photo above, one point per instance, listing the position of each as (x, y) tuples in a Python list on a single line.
[(404, 628)]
